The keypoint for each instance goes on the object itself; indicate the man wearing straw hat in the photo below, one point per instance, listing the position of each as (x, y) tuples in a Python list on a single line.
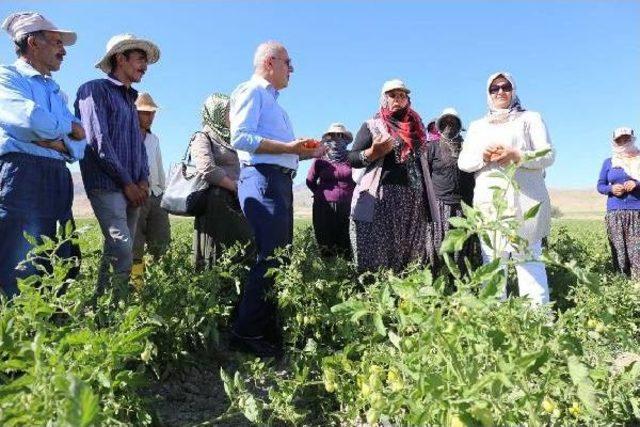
[(153, 229), (38, 135), (115, 171)]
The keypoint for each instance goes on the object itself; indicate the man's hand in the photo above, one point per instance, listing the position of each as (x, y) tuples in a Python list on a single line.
[(303, 147), (57, 145), (77, 131), (617, 189), (134, 194), (629, 186)]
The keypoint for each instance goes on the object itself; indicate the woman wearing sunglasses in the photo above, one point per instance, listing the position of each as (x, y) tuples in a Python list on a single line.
[(329, 179), (507, 134)]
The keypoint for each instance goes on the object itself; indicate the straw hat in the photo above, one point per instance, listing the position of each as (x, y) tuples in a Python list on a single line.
[(145, 102), (338, 128), (394, 84), (124, 42), (21, 23)]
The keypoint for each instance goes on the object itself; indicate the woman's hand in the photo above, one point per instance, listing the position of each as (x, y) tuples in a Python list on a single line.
[(509, 155), (617, 189), (492, 153), (629, 186), (381, 146)]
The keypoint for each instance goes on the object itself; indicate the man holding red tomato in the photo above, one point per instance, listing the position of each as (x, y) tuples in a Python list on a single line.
[(268, 151)]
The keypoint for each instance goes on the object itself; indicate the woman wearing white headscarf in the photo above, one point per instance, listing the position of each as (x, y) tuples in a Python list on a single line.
[(619, 178), (222, 224), (505, 135)]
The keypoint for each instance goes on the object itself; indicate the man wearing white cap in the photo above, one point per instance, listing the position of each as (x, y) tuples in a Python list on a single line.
[(153, 229), (115, 170), (38, 135)]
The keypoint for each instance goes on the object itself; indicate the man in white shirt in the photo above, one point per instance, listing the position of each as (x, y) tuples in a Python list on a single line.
[(153, 224)]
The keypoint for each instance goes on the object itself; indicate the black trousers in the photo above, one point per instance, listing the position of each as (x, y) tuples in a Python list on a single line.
[(331, 226)]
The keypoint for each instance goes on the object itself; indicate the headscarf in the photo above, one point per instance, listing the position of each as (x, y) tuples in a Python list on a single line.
[(627, 157), (501, 115), (214, 114), (336, 149), (405, 124)]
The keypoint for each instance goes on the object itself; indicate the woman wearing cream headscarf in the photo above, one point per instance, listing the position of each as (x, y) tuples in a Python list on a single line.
[(505, 135), (619, 181), (222, 224)]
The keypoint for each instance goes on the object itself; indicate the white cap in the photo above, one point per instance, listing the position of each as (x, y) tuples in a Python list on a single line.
[(21, 23), (622, 131), (124, 42), (394, 84), (338, 128)]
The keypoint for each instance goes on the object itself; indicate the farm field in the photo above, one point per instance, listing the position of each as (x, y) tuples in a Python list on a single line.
[(367, 349)]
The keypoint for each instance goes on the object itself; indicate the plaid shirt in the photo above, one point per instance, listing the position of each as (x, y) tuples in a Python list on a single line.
[(116, 155)]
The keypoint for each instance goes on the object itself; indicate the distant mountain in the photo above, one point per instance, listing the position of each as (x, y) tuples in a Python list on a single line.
[(573, 203)]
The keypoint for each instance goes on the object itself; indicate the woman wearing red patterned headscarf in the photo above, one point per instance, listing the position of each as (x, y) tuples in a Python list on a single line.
[(394, 200)]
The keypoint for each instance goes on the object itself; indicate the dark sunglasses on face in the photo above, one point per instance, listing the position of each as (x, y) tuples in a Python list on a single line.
[(493, 89)]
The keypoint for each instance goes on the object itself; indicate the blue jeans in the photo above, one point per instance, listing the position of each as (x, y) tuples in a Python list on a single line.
[(118, 220), (266, 197), (36, 194)]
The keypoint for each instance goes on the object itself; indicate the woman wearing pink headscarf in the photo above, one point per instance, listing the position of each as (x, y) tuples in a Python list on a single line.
[(505, 135), (619, 181)]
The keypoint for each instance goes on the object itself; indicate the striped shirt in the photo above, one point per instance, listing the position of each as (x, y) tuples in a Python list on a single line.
[(116, 155)]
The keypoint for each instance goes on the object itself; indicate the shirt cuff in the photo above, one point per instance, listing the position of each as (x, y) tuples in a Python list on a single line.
[(246, 141), (75, 148)]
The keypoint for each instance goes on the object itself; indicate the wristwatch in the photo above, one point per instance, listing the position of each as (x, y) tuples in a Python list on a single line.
[(364, 159)]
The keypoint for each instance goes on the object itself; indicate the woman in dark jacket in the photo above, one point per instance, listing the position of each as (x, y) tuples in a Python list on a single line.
[(394, 200), (329, 179), (452, 186)]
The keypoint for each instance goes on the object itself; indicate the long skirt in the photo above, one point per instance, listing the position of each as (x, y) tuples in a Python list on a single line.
[(221, 226), (398, 234), (331, 227), (471, 248), (623, 230)]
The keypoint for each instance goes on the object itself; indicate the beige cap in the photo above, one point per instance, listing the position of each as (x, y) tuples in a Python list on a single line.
[(394, 84), (338, 128), (21, 23), (144, 102), (124, 42), (622, 131)]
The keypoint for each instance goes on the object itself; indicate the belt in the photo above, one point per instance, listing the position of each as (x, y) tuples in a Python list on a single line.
[(291, 173)]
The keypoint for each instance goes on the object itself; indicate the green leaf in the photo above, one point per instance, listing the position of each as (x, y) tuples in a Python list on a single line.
[(379, 324), (532, 212), (580, 377), (395, 339)]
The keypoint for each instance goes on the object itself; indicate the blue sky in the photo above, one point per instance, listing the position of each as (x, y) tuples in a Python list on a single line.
[(578, 63)]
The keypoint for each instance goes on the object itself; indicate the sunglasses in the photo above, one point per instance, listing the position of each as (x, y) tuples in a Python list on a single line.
[(493, 89)]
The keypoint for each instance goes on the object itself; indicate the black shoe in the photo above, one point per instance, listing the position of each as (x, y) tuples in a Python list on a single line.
[(255, 345)]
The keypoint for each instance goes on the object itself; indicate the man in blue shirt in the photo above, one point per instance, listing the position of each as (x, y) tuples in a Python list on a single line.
[(38, 135), (114, 170), (268, 152)]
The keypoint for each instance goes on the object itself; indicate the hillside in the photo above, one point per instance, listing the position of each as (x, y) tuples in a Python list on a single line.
[(573, 203)]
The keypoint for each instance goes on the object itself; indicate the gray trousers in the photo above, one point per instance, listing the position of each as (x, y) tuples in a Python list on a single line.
[(153, 230), (118, 222)]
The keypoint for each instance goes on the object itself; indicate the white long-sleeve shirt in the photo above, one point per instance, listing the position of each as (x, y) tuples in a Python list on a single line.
[(528, 133), (156, 170)]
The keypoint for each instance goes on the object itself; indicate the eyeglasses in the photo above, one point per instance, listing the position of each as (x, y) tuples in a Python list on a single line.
[(493, 89), (287, 61)]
